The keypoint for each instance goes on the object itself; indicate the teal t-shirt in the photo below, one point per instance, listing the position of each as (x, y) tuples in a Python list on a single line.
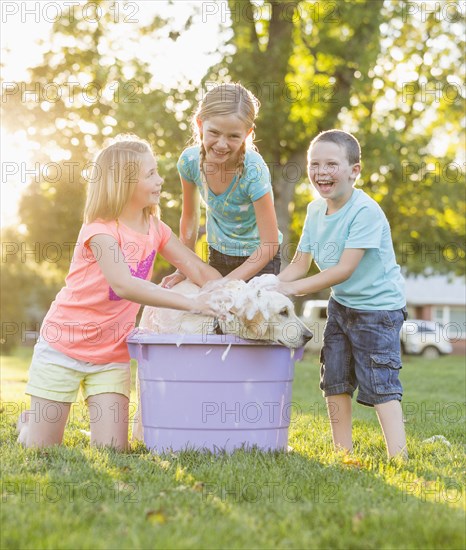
[(377, 282), (231, 220)]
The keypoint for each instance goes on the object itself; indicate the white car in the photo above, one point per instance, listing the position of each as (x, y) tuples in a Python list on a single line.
[(425, 338), (314, 315), (418, 336)]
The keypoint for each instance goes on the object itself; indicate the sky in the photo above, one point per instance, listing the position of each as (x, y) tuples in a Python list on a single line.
[(23, 23)]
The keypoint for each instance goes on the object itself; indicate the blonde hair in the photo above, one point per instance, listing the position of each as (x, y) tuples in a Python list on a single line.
[(113, 177), (226, 99)]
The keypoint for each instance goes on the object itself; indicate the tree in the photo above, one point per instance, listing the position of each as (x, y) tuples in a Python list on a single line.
[(84, 91), (314, 65), (319, 65), (25, 290)]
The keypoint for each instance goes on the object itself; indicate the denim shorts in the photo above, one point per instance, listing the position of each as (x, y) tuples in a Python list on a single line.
[(226, 264), (361, 349)]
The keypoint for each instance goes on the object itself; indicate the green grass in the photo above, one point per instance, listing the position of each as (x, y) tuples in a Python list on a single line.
[(75, 496)]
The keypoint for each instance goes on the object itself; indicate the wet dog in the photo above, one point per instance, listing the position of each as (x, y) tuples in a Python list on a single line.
[(249, 310)]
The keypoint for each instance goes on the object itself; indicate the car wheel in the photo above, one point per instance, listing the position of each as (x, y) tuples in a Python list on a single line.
[(430, 352)]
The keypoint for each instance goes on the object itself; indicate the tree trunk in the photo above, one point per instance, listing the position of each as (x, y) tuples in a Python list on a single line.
[(285, 177)]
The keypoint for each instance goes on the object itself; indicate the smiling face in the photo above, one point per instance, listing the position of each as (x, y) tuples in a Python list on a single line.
[(331, 173), (222, 137), (149, 185)]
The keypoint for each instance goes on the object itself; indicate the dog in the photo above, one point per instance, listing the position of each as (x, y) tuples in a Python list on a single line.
[(251, 311)]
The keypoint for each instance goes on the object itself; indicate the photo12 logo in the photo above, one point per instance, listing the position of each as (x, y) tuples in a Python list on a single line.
[(438, 413), (433, 92), (292, 12), (449, 172), (52, 12), (69, 491), (271, 491), (449, 491), (450, 12), (73, 93), (432, 252)]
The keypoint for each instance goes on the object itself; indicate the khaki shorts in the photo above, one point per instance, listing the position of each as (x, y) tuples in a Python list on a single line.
[(58, 377)]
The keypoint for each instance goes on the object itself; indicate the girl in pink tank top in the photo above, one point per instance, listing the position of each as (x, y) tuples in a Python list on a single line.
[(83, 336)]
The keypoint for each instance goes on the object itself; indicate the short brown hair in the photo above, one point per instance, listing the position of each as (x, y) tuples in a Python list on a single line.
[(343, 139)]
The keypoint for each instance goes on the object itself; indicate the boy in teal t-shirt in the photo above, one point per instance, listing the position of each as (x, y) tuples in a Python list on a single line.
[(348, 236)]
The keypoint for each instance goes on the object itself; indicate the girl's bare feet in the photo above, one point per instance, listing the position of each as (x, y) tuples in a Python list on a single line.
[(21, 426)]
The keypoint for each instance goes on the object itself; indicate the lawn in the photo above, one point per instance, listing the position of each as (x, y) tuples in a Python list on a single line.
[(76, 496)]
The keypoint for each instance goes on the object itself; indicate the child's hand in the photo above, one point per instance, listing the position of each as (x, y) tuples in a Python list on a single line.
[(266, 282), (204, 304), (285, 288), (171, 280)]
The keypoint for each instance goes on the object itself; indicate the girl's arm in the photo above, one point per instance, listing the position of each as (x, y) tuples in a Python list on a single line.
[(118, 276), (349, 261), (190, 214), (188, 262), (268, 234), (189, 227)]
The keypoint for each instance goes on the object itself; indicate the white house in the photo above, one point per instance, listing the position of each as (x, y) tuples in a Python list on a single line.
[(441, 299)]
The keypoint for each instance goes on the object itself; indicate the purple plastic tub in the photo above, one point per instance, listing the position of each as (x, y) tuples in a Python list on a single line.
[(213, 392)]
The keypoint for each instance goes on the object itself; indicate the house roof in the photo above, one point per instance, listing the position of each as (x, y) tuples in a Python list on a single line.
[(436, 290)]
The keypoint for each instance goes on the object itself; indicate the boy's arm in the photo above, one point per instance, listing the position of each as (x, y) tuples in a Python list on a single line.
[(298, 268), (349, 261)]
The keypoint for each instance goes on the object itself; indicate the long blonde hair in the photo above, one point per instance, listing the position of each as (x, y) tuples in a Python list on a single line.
[(113, 177), (226, 99)]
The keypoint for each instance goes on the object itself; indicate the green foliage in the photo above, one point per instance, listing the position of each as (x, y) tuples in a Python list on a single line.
[(26, 285), (378, 70), (92, 94), (83, 94), (408, 122)]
